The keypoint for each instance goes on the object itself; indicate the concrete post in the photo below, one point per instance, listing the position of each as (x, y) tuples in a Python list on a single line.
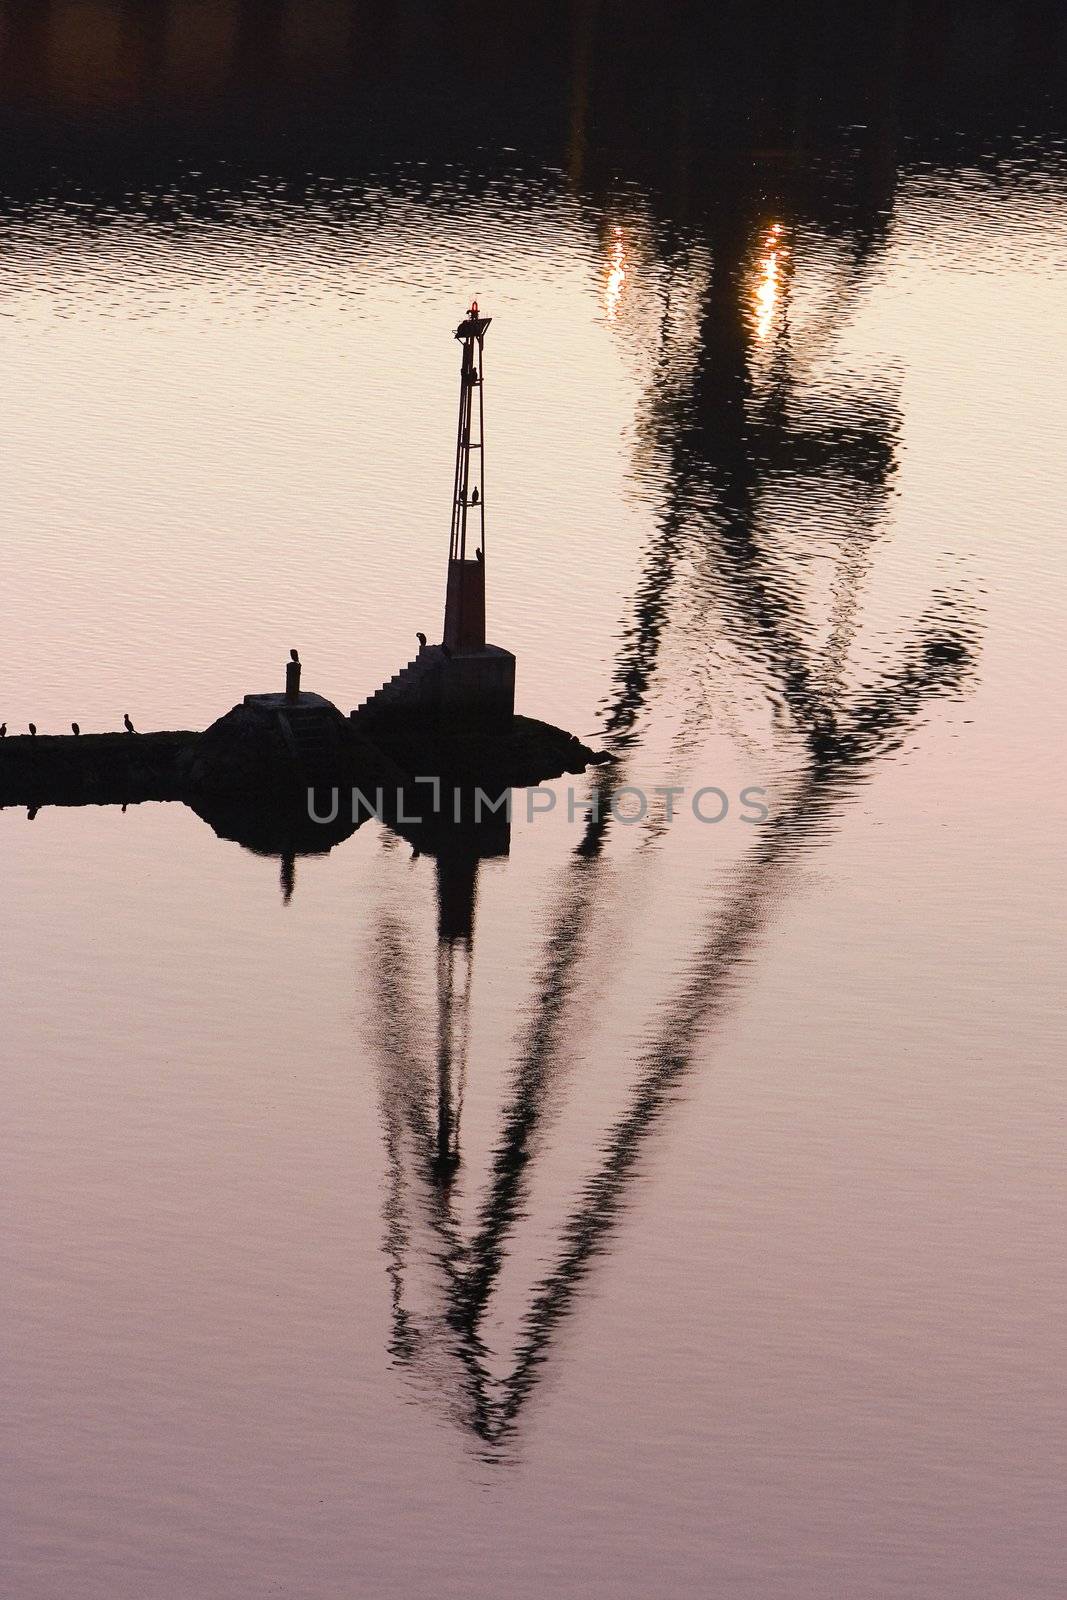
[(292, 681)]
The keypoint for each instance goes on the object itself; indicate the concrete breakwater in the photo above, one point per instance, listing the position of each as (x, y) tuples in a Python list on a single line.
[(264, 754)]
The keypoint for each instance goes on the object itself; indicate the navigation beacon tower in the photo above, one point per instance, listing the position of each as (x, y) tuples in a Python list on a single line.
[(479, 682), (462, 685), (465, 596)]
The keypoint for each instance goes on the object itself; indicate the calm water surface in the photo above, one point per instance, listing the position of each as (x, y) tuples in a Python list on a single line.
[(749, 1280)]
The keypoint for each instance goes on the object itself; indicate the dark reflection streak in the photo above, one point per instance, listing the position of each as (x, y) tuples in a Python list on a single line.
[(638, 654), (639, 649), (464, 1046), (534, 1078), (447, 1132), (395, 1065), (634, 672), (407, 1092)]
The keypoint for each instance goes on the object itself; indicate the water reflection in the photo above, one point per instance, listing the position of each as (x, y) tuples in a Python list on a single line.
[(444, 1339), (756, 458)]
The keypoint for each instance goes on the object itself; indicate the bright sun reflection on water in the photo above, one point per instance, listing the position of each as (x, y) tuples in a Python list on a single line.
[(768, 290), (616, 275)]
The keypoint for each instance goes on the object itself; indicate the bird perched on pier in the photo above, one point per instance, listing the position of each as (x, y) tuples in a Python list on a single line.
[(294, 655), (33, 730), (421, 637), (75, 730), (127, 724)]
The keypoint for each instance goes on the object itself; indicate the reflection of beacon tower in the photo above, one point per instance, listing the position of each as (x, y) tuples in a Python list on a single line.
[(457, 878), (458, 854), (480, 679)]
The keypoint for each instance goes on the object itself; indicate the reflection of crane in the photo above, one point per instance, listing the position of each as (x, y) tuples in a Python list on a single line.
[(731, 450), (446, 1338)]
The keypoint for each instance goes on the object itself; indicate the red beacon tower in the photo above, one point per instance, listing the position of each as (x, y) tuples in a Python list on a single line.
[(465, 594)]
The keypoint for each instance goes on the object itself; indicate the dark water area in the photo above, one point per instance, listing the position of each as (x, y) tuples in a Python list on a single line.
[(660, 1192)]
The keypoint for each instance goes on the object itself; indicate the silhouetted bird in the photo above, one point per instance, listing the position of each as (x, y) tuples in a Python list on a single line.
[(294, 656), (75, 730), (421, 637), (475, 497), (127, 724), (3, 730), (33, 730), (479, 555)]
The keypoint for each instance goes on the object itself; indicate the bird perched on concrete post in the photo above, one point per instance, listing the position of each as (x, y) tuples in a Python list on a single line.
[(33, 730), (294, 656), (127, 724), (421, 637), (75, 730)]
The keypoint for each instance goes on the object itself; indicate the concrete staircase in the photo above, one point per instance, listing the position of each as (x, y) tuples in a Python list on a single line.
[(406, 689), (312, 735)]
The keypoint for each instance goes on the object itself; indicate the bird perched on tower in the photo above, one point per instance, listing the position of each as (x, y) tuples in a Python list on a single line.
[(75, 730), (294, 656), (127, 724), (421, 637)]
